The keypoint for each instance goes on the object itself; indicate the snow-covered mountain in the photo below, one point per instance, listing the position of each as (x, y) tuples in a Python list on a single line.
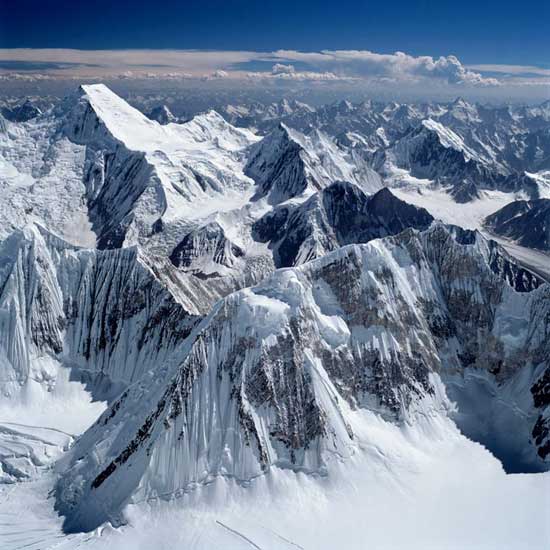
[(162, 114), (115, 313), (286, 164), (494, 145), (211, 315), (337, 215), (526, 222), (259, 115), (268, 375), (433, 152), (113, 166), (23, 112)]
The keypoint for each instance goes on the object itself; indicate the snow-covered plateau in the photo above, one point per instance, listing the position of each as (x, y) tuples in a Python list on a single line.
[(300, 334)]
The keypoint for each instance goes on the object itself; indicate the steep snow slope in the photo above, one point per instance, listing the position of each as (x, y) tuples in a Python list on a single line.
[(141, 175), (270, 375), (79, 324), (76, 327), (113, 313)]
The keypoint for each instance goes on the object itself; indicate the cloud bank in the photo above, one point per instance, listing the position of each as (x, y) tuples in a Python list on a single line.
[(397, 66), (326, 67)]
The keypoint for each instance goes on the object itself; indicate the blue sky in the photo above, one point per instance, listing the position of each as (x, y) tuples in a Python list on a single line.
[(481, 31), (482, 47)]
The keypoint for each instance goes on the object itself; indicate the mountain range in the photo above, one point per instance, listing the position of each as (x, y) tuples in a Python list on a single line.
[(266, 298)]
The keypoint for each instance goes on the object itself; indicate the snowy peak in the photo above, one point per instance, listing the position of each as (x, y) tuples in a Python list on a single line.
[(288, 164), (463, 112), (26, 111), (277, 165), (125, 123), (206, 249), (447, 137), (434, 152), (141, 175), (370, 326)]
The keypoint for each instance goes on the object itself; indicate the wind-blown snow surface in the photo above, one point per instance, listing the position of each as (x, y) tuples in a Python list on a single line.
[(417, 487)]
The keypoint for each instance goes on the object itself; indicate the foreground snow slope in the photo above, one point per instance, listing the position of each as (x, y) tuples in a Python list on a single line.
[(411, 487), (270, 375)]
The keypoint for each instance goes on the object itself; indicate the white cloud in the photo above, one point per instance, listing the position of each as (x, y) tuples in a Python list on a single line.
[(109, 63), (279, 68), (399, 65), (218, 74), (511, 69), (299, 76)]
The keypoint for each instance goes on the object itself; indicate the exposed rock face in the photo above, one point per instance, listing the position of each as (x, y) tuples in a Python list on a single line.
[(338, 215), (500, 262), (116, 178), (162, 114), (526, 222), (206, 245), (26, 111), (541, 398), (369, 326)]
